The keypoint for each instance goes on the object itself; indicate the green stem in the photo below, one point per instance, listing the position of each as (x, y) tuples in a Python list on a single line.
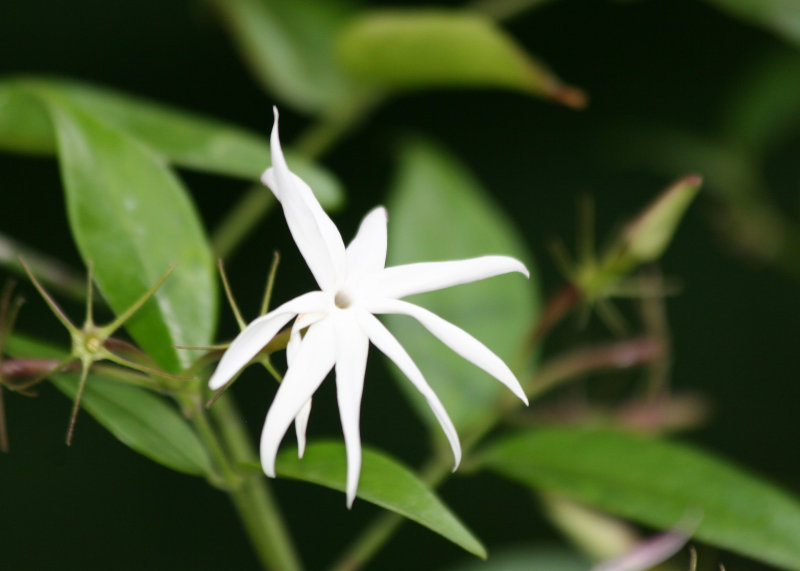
[(432, 474), (240, 220), (251, 208), (49, 270), (320, 137), (369, 542), (227, 475), (616, 355), (250, 495), (377, 534)]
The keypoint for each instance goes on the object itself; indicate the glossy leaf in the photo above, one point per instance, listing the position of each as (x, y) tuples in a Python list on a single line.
[(384, 482), (657, 483), (137, 418), (779, 16), (180, 138), (437, 211), (544, 558), (402, 49), (132, 219), (288, 45)]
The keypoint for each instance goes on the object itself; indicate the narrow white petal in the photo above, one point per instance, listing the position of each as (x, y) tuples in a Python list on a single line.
[(260, 332), (303, 321), (367, 252), (400, 281), (294, 344), (456, 338), (301, 422), (300, 427), (352, 345), (313, 362), (391, 347), (315, 234)]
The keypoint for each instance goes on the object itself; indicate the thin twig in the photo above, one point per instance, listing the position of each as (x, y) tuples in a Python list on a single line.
[(617, 355), (54, 273), (273, 271)]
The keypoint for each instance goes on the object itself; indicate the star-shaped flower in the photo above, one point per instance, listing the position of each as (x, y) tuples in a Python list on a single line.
[(339, 320)]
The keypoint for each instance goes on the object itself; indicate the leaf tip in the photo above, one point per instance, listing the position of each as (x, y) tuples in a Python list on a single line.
[(572, 97)]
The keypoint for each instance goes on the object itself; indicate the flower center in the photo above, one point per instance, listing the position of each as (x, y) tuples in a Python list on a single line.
[(343, 299)]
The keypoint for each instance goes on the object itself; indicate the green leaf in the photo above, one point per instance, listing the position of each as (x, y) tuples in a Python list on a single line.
[(383, 482), (544, 558), (402, 49), (136, 417), (25, 124), (782, 17), (288, 45), (131, 217), (437, 211), (763, 108), (657, 483), (180, 138)]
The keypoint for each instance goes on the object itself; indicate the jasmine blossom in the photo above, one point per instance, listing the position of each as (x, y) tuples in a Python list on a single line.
[(339, 320)]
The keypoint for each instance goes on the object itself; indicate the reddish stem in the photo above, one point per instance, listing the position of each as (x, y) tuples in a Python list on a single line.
[(555, 310)]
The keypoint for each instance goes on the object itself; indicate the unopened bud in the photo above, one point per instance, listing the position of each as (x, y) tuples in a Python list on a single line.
[(647, 237)]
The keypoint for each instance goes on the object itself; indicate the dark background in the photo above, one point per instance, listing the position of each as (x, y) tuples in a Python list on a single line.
[(98, 505)]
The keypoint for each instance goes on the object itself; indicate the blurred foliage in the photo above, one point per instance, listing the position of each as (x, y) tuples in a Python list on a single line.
[(431, 187), (349, 71)]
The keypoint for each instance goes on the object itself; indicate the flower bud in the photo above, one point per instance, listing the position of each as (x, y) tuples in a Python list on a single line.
[(646, 238)]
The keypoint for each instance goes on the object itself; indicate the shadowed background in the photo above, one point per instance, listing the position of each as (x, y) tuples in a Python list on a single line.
[(735, 326)]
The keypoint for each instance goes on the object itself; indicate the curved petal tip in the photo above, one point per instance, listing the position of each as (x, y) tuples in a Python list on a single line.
[(269, 468), (217, 381), (379, 210), (523, 270)]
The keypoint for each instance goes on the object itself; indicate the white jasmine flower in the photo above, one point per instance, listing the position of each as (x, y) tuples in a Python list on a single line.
[(339, 320)]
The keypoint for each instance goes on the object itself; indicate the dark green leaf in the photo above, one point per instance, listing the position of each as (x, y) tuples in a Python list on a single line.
[(764, 108), (131, 217), (181, 138), (136, 417), (402, 49), (384, 482), (539, 558), (289, 47), (779, 16), (658, 483), (437, 211)]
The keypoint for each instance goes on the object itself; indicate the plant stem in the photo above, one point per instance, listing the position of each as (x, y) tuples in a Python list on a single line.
[(240, 220), (435, 471), (251, 496), (255, 203), (615, 355), (49, 270), (377, 534), (321, 136)]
